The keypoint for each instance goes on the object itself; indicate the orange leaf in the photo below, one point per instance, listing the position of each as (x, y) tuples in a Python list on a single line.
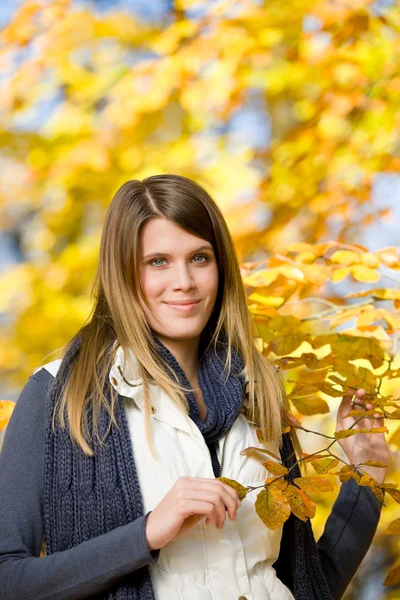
[(253, 450), (324, 465), (393, 577), (393, 528), (241, 490), (313, 405), (344, 433), (272, 508), (379, 494), (6, 409), (374, 463), (275, 468), (314, 484), (300, 503), (395, 438), (395, 494)]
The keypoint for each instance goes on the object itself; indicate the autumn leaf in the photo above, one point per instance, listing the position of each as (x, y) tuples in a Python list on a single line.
[(275, 468), (6, 409), (254, 452), (260, 436), (374, 463), (393, 528), (395, 494), (395, 438), (311, 457), (346, 472), (378, 492), (344, 433), (367, 480), (393, 577), (277, 483), (324, 465), (300, 503), (272, 508), (313, 405), (314, 484), (240, 489)]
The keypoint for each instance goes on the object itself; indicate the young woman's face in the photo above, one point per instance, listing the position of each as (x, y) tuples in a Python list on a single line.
[(177, 267)]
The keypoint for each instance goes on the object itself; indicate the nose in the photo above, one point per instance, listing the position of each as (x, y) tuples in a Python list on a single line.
[(182, 278)]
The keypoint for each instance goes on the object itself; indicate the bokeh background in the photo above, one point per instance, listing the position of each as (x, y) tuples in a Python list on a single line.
[(287, 113)]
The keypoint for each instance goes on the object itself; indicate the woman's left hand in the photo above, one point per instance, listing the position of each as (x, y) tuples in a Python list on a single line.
[(363, 446)]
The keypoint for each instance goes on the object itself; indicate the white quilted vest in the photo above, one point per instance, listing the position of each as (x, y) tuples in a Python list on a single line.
[(234, 563)]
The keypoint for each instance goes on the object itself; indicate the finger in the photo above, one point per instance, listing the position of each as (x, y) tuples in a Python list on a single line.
[(200, 507), (207, 482), (344, 407), (359, 399), (210, 506), (227, 496)]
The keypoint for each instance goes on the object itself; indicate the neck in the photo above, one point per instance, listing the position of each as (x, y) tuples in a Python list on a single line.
[(186, 352)]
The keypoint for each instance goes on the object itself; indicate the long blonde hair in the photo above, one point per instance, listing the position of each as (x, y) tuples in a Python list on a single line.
[(117, 314)]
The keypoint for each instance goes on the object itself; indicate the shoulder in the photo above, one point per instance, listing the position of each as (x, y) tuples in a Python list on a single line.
[(50, 367), (31, 405), (25, 431)]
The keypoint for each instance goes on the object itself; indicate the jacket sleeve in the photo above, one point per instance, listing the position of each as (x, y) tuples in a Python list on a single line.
[(80, 572), (348, 533)]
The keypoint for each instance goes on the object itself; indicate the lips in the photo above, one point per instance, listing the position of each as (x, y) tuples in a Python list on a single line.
[(182, 303)]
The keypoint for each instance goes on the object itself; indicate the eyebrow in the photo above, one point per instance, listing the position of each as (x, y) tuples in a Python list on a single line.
[(167, 254)]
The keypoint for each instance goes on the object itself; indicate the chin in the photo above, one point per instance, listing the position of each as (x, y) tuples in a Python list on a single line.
[(182, 333)]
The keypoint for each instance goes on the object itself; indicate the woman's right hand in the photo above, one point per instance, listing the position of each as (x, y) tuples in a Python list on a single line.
[(188, 501)]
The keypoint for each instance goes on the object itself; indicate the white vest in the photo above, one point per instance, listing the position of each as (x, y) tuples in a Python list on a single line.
[(231, 563)]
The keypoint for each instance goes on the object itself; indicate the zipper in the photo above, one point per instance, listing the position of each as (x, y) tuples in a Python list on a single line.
[(223, 455)]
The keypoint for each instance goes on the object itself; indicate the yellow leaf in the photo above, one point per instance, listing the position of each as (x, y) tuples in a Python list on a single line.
[(339, 274), (314, 484), (6, 408), (344, 433), (253, 450), (277, 483), (241, 490), (275, 468), (395, 494), (395, 438), (381, 293), (364, 274), (367, 480), (361, 413), (300, 503), (266, 300), (310, 457), (393, 577), (324, 465), (260, 436), (370, 260), (393, 528), (374, 463), (345, 257), (313, 405), (272, 508), (346, 472), (379, 494)]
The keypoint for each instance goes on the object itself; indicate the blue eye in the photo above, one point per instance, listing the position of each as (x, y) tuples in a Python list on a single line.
[(162, 259), (203, 256), (154, 260)]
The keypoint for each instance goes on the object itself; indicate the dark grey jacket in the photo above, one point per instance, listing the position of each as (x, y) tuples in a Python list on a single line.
[(99, 563)]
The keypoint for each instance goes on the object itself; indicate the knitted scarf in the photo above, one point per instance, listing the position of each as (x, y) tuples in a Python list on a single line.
[(86, 496), (223, 397)]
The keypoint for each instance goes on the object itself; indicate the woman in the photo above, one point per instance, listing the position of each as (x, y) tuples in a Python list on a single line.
[(112, 454)]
